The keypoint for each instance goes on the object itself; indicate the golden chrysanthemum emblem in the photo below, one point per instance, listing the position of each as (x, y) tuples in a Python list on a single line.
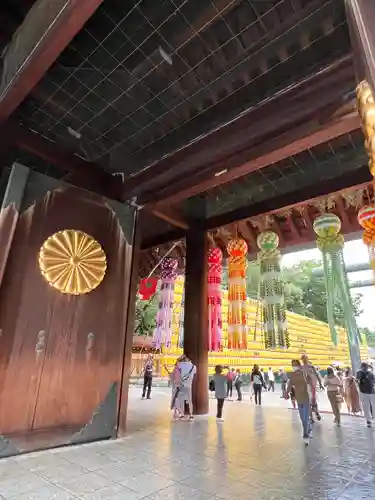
[(72, 262)]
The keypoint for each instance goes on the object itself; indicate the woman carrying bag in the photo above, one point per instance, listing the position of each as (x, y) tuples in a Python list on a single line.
[(334, 386)]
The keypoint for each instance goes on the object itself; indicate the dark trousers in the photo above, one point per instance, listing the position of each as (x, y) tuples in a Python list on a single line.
[(220, 404), (239, 392), (258, 394), (147, 384), (271, 386), (229, 388)]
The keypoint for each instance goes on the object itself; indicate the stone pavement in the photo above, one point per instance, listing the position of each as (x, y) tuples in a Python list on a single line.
[(257, 453)]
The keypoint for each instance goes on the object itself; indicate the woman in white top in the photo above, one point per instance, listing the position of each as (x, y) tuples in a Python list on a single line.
[(334, 393)]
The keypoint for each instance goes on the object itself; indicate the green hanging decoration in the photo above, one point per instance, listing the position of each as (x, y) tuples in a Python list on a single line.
[(271, 292), (331, 243)]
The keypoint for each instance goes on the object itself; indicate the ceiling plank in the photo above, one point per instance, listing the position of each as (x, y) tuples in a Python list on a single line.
[(47, 29), (355, 179), (281, 147)]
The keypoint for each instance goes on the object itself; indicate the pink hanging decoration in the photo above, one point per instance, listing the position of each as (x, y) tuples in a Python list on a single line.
[(215, 269), (163, 331)]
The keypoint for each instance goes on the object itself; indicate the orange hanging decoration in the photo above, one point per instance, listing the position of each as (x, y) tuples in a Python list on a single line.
[(366, 218), (237, 297)]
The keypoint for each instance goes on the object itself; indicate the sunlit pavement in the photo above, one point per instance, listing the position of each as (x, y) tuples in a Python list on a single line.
[(257, 453)]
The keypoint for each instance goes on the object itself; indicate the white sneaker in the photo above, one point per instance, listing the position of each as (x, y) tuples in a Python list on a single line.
[(306, 441), (219, 419)]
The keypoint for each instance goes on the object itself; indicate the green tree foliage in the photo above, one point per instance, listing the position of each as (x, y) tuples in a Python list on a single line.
[(370, 336), (145, 316)]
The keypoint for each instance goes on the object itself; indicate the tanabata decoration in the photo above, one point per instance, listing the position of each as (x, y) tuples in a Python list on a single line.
[(163, 331), (366, 218), (271, 291), (180, 336), (147, 288), (215, 323), (331, 243), (237, 298)]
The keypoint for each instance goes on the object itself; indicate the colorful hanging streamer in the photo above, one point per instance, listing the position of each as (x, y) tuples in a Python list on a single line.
[(147, 288), (163, 331), (271, 291), (237, 296), (331, 243), (366, 218), (180, 337), (215, 324)]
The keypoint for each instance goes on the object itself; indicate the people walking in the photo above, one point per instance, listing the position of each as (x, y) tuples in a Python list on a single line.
[(147, 376), (271, 380), (365, 379), (220, 391), (351, 393), (258, 384), (299, 381), (314, 380), (230, 379), (238, 384), (334, 386)]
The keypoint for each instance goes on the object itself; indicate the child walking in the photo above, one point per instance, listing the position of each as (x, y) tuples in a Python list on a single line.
[(220, 381)]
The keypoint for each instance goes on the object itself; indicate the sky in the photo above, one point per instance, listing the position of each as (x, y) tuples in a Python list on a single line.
[(355, 252)]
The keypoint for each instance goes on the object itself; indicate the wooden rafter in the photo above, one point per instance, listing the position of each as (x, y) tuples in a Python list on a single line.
[(44, 34)]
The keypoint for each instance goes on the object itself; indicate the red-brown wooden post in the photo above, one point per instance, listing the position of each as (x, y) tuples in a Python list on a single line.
[(195, 317)]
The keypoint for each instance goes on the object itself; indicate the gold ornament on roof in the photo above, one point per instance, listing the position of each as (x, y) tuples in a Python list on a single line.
[(72, 262)]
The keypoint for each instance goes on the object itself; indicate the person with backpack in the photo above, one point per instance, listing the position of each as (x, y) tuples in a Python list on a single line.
[(366, 380), (258, 383)]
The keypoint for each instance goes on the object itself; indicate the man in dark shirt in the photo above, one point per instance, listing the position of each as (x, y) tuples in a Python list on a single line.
[(366, 380), (147, 377)]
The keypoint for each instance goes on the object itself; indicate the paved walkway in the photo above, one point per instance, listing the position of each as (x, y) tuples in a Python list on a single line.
[(257, 453)]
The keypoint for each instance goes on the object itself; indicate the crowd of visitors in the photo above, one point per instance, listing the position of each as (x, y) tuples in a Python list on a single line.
[(301, 386)]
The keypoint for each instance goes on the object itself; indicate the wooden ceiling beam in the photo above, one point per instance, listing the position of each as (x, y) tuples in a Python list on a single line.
[(355, 179), (290, 143), (47, 29)]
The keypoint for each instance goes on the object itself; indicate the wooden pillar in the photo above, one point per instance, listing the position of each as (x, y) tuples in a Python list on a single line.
[(195, 315), (361, 20), (133, 267)]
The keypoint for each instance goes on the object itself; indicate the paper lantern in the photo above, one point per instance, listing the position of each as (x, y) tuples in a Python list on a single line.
[(331, 243), (274, 324), (163, 331), (237, 297), (215, 270)]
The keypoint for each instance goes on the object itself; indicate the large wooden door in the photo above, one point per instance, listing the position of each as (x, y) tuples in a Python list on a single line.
[(60, 355)]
